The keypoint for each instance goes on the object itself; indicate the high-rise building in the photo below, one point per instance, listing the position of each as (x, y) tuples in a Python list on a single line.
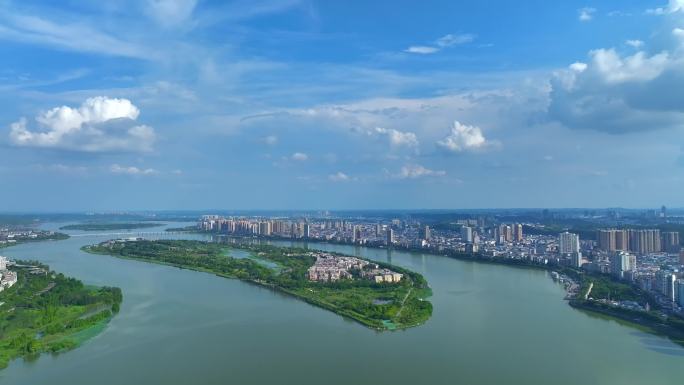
[(265, 228), (606, 239), (568, 243), (356, 233), (670, 241), (426, 233), (467, 234), (679, 292), (390, 236), (638, 241), (665, 283), (517, 232), (622, 262), (621, 240), (378, 230), (307, 231)]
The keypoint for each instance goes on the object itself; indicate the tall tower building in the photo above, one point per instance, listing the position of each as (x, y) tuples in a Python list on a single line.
[(622, 262), (390, 236), (670, 242), (467, 234), (517, 232), (568, 243), (356, 233), (606, 239), (426, 233), (621, 240)]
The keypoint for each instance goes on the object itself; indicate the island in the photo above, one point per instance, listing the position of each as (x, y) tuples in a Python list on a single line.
[(10, 237), (42, 311), (95, 226), (377, 295), (185, 229)]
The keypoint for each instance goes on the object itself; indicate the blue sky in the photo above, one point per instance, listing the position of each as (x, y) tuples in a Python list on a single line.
[(276, 104)]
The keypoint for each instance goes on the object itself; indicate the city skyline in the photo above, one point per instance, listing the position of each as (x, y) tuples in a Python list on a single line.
[(309, 105)]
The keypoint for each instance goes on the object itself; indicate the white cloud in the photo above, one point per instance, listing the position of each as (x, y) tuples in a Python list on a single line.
[(413, 171), (586, 13), (634, 43), (639, 67), (170, 12), (678, 33), (673, 6), (578, 66), (100, 124), (441, 43), (398, 138), (132, 170), (299, 156), (620, 93), (421, 49), (463, 138), (338, 177)]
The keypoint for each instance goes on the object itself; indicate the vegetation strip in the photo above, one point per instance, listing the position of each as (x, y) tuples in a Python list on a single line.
[(45, 311), (377, 305), (110, 226)]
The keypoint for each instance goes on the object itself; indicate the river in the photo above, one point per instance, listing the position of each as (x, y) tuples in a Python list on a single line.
[(491, 325)]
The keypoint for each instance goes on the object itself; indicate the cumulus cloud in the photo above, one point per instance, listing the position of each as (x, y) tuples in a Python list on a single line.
[(613, 68), (463, 138), (441, 43), (673, 6), (616, 92), (338, 177), (413, 171), (398, 138), (132, 170), (299, 156), (100, 124), (586, 13)]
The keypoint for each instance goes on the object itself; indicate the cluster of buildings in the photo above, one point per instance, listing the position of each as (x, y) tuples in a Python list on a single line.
[(649, 258), (7, 277), (642, 241), (330, 268), (10, 236)]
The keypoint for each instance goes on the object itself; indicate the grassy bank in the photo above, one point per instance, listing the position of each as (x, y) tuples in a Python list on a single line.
[(48, 312), (379, 306)]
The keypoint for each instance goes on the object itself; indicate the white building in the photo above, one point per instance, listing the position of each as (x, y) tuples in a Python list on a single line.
[(568, 243)]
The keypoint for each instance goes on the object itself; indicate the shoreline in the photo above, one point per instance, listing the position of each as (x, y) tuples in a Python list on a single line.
[(292, 293), (673, 334)]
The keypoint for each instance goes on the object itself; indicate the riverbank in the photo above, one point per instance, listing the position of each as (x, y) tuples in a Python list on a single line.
[(39, 237), (606, 286), (670, 327), (47, 312), (380, 306)]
